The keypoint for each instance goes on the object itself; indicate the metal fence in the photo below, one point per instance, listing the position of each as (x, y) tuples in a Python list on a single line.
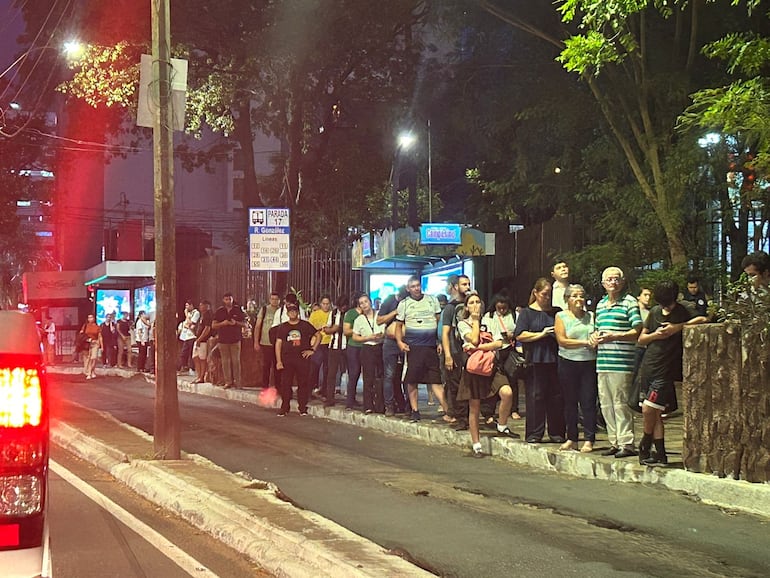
[(316, 272)]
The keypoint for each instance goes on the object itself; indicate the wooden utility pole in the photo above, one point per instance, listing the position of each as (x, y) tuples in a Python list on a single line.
[(166, 425)]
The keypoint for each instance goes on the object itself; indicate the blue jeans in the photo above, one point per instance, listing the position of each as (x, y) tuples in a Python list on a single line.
[(354, 372), (390, 353)]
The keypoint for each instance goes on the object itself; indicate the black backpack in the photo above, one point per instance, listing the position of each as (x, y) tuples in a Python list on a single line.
[(455, 340)]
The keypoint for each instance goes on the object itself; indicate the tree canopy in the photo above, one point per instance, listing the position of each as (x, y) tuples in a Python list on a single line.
[(640, 61), (323, 77)]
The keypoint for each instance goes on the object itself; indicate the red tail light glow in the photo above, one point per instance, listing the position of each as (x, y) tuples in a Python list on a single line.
[(21, 399)]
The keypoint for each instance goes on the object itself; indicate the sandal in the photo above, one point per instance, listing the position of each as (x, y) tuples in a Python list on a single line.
[(568, 446), (515, 415), (507, 432), (448, 419), (587, 448)]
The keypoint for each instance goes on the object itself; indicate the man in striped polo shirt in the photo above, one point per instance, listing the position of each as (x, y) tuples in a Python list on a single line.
[(618, 323)]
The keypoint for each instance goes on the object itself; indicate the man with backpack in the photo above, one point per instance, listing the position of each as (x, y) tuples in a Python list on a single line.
[(459, 286), (262, 343)]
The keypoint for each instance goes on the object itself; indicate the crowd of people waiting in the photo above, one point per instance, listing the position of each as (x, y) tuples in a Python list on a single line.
[(579, 366)]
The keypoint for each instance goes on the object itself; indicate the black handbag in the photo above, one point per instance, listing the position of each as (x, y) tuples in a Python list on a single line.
[(81, 341), (514, 363)]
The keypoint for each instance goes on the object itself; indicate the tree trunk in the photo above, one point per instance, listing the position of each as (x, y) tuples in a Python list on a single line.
[(293, 173), (245, 137)]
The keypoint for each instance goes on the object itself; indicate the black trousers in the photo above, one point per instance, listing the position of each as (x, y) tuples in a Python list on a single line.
[(371, 365), (269, 373), (295, 367), (545, 402), (337, 366), (457, 409)]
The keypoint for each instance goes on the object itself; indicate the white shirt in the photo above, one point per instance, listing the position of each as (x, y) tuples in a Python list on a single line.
[(496, 325), (50, 329), (366, 326), (187, 326), (142, 331), (281, 316), (339, 340)]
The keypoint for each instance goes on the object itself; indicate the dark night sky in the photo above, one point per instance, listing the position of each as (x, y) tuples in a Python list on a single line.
[(11, 25)]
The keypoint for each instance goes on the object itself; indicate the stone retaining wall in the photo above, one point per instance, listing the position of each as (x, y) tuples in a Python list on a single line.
[(726, 401)]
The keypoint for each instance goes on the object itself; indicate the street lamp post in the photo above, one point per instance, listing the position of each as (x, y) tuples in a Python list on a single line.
[(407, 140), (430, 180)]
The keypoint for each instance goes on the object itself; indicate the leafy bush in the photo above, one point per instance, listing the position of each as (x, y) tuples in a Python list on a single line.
[(750, 307)]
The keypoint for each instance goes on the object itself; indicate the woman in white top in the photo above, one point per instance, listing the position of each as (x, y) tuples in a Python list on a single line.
[(500, 318), (142, 329), (500, 323), (577, 367), (367, 331)]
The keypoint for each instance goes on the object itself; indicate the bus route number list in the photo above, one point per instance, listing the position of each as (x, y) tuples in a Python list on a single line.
[(269, 252), (269, 234)]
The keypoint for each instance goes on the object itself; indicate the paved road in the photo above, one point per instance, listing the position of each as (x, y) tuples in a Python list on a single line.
[(452, 514), (99, 528)]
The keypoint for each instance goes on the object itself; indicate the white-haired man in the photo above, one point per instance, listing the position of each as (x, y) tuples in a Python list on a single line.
[(618, 323)]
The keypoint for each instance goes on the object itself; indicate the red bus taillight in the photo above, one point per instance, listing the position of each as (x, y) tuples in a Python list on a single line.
[(21, 399), (23, 442)]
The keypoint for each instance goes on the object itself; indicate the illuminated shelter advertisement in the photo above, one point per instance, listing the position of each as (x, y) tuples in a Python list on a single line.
[(144, 300), (436, 282), (112, 301), (383, 285)]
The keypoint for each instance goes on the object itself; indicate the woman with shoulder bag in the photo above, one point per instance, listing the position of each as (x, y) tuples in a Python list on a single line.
[(474, 387), (94, 344), (501, 319), (499, 322), (577, 367)]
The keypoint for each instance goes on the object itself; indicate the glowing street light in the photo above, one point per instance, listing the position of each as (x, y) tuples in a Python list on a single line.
[(406, 140), (73, 48)]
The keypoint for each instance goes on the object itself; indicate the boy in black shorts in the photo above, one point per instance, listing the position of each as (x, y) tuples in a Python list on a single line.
[(661, 366)]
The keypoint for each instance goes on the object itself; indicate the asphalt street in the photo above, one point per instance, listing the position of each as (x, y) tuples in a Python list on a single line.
[(452, 514), (100, 528)]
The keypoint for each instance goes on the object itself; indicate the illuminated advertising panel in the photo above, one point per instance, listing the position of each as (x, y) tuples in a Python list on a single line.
[(113, 301)]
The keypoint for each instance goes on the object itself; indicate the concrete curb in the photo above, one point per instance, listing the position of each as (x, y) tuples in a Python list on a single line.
[(280, 537), (722, 492)]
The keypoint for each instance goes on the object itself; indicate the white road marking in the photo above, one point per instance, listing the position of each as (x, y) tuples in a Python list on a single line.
[(167, 548)]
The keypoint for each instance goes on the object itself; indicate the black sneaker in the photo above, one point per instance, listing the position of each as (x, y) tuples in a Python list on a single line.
[(415, 417), (303, 413), (644, 454), (656, 459), (626, 452), (282, 413)]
